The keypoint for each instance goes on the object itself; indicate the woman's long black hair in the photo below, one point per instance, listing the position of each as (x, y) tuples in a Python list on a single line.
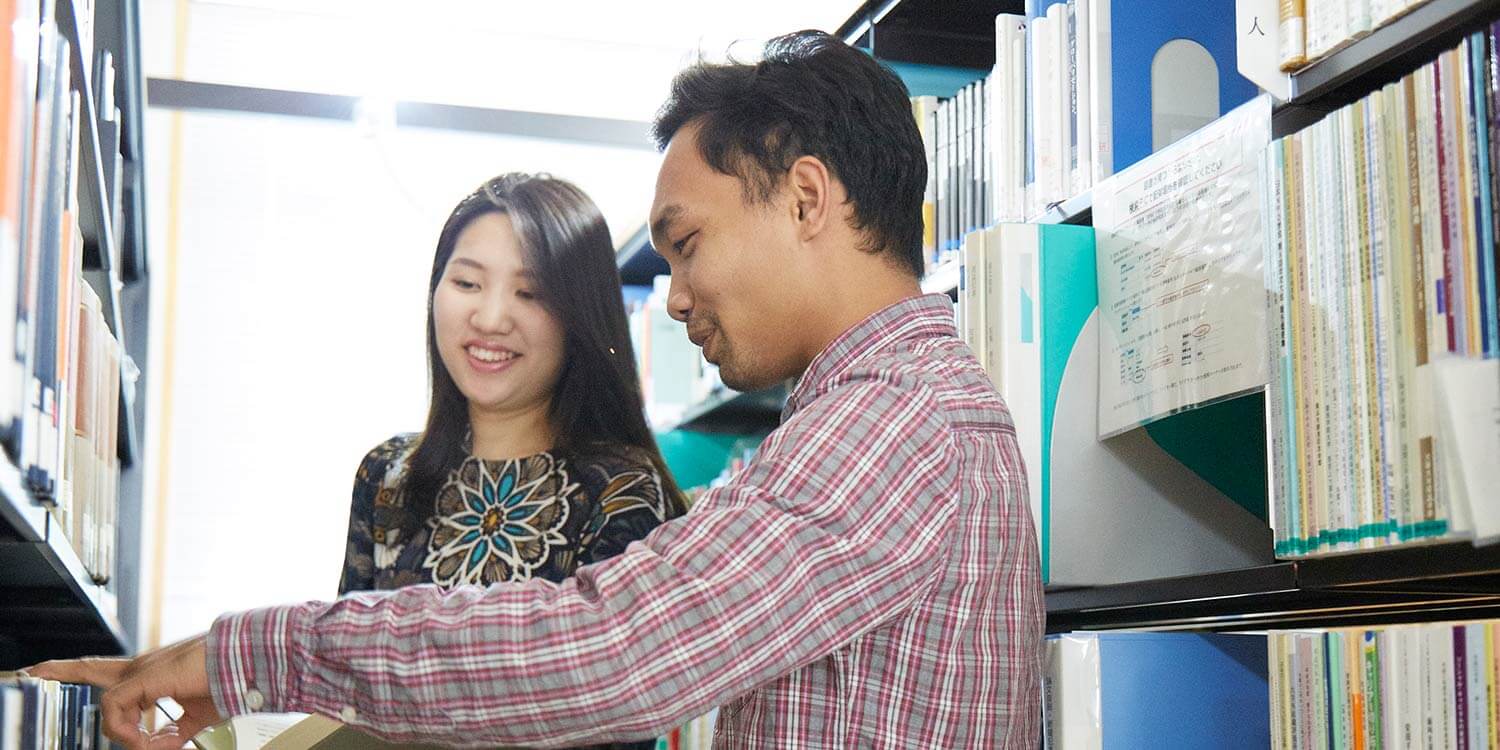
[(597, 405)]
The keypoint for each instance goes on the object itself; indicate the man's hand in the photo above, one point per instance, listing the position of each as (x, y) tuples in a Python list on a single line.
[(131, 686)]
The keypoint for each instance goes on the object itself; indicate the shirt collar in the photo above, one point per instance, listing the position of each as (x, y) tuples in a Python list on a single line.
[(923, 316)]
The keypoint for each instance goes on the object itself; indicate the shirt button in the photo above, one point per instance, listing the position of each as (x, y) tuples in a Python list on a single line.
[(254, 699), (347, 715)]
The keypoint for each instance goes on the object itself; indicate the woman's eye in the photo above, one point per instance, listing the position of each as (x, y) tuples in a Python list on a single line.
[(526, 294), (465, 285)]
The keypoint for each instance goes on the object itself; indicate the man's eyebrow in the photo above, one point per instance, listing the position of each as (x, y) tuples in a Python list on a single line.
[(664, 221)]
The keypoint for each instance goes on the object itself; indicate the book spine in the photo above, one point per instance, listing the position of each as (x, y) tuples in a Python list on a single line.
[(1484, 224), (1460, 687), (1272, 219), (1292, 35), (1374, 693)]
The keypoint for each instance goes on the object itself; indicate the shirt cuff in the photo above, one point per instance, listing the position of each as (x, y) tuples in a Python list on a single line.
[(251, 664)]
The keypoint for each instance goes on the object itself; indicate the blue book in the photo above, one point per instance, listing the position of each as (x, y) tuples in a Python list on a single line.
[(1160, 70), (1185, 691), (1489, 317)]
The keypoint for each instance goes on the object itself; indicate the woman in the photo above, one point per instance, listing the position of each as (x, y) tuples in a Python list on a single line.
[(536, 457)]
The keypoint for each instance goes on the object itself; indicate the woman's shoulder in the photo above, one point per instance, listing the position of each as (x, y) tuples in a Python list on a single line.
[(613, 472), (611, 459), (386, 462)]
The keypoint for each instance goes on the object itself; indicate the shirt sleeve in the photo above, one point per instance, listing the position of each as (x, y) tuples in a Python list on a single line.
[(359, 547), (837, 528)]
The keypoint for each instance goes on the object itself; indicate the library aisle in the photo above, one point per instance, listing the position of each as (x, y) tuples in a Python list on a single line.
[(1233, 266)]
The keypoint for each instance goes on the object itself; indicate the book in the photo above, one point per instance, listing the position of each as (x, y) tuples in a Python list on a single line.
[(1178, 690), (1159, 71), (1293, 34), (288, 732), (1380, 237), (1409, 686), (46, 715)]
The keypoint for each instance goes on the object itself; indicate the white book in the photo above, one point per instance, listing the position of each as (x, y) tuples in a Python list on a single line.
[(1082, 96), (973, 294), (1009, 101), (1101, 114), (1320, 26), (1478, 672), (1442, 694), (1468, 395), (1062, 98), (994, 311), (1073, 669), (1358, 19), (1393, 699), (11, 707), (1020, 264), (940, 189), (1045, 145), (1412, 689)]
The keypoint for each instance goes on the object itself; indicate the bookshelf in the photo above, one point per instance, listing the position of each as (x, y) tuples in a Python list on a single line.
[(728, 410), (51, 605), (638, 261), (1437, 581), (725, 410)]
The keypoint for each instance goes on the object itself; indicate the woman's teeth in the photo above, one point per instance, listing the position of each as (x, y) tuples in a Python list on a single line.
[(490, 355)]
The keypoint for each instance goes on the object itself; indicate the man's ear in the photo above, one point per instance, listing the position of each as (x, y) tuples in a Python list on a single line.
[(811, 188)]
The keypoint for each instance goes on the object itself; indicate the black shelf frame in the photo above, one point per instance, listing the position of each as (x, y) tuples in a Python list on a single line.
[(49, 603), (730, 411), (1453, 580), (928, 32), (638, 260), (1381, 57)]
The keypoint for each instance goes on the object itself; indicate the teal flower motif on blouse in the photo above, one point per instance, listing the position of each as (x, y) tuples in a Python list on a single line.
[(497, 520)]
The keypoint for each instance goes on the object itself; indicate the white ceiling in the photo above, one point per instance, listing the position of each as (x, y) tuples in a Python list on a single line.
[(597, 58), (606, 58)]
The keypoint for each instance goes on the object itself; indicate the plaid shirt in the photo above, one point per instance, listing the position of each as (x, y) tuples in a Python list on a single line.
[(870, 579)]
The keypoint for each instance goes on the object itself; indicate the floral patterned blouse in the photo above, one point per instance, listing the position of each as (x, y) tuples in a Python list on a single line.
[(541, 516)]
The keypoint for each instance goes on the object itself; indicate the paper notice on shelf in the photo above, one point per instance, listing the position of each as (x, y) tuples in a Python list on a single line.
[(1182, 299)]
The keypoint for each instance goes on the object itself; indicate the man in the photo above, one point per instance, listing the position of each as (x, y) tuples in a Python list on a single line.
[(869, 580)]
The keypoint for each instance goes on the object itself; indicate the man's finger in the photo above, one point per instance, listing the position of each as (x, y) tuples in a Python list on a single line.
[(100, 672), (120, 708), (185, 729)]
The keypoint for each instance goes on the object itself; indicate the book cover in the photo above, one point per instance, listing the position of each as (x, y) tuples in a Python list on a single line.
[(1182, 690), (1162, 70)]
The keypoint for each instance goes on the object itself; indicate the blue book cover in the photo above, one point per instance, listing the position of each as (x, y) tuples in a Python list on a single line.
[(1185, 691), (1159, 67)]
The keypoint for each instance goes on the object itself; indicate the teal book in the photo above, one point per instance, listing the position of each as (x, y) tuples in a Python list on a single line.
[(1186, 495)]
